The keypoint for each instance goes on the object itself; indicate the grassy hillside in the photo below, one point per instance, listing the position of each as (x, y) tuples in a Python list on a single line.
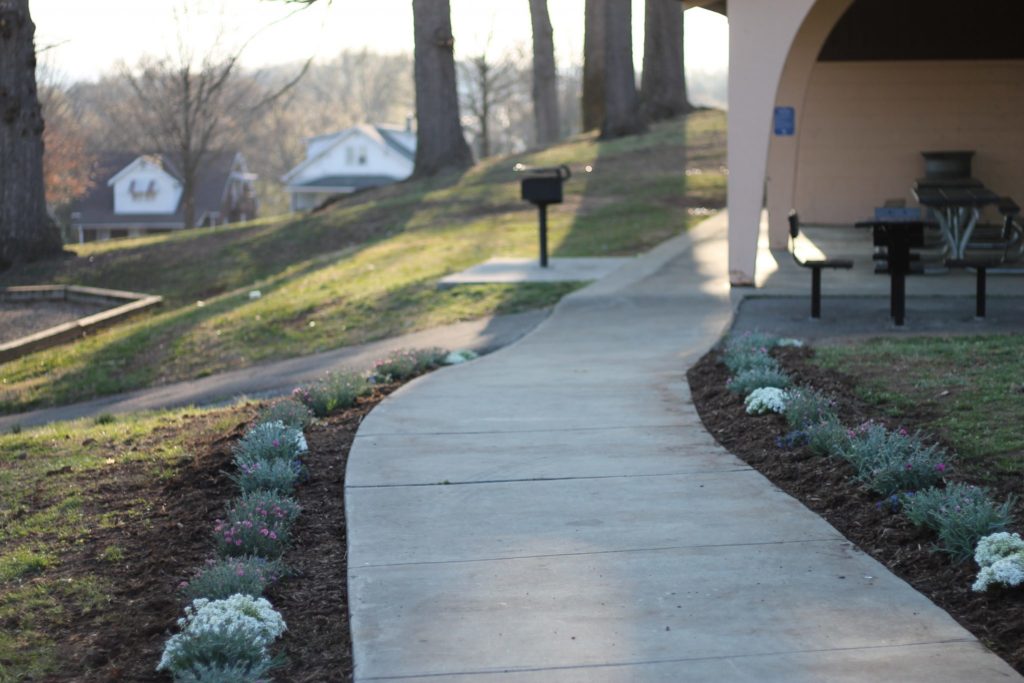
[(366, 268)]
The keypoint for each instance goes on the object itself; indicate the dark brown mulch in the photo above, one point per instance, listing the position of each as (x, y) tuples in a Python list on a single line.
[(827, 486), (122, 641)]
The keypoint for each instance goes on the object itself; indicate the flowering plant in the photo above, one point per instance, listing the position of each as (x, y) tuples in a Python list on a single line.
[(756, 378), (456, 357), (235, 631), (892, 461), (221, 579), (765, 400), (272, 441), (256, 474), (289, 411), (1001, 558), (335, 391), (401, 365), (257, 523), (960, 514)]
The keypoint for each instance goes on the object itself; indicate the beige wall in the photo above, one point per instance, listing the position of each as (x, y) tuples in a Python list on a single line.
[(864, 125)]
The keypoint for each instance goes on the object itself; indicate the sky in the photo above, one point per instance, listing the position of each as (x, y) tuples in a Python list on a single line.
[(88, 37)]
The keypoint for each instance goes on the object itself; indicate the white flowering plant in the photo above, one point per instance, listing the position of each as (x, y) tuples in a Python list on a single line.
[(1001, 558), (233, 633), (765, 400), (789, 342), (461, 356)]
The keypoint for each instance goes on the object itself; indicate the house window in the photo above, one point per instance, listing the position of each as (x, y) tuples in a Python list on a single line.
[(362, 156), (350, 156)]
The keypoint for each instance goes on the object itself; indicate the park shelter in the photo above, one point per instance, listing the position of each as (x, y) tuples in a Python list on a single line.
[(831, 103)]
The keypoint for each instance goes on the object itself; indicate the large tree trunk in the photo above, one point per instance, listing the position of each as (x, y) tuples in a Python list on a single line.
[(545, 84), (592, 101), (663, 84), (440, 143), (26, 231), (622, 115)]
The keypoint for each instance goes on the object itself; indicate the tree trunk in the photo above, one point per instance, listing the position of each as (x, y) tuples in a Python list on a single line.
[(592, 101), (440, 143), (545, 84), (26, 231), (663, 84), (622, 115)]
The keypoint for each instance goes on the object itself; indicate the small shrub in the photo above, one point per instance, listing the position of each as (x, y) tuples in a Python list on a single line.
[(257, 523), (402, 365), (1001, 559), (335, 391), (960, 514), (104, 419), (271, 441), (827, 438), (748, 351), (457, 357), (288, 411), (226, 673), (220, 579), (255, 474), (889, 462), (792, 440), (233, 633), (806, 406), (757, 378), (765, 400)]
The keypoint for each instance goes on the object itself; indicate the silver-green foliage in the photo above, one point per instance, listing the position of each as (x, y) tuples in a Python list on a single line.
[(227, 673), (961, 515), (289, 411), (757, 378), (402, 365), (827, 437), (255, 474), (223, 578), (806, 406), (748, 351), (890, 462), (271, 441), (335, 391)]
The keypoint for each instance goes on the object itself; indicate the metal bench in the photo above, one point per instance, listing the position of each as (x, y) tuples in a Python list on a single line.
[(816, 266)]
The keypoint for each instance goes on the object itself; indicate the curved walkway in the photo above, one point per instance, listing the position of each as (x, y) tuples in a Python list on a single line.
[(556, 512)]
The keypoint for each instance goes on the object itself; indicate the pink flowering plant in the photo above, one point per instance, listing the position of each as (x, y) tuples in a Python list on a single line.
[(219, 579), (289, 411), (961, 515), (257, 523), (261, 474), (334, 391), (402, 365), (271, 441), (889, 462)]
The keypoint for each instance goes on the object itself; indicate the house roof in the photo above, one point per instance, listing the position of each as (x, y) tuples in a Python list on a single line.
[(345, 182), (97, 206), (395, 138)]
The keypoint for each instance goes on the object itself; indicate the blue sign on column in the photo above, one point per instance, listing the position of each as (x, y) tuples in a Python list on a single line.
[(785, 121)]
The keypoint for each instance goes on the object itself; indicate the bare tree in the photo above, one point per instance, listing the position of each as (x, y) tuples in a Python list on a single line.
[(545, 79), (26, 231), (66, 158), (440, 143), (487, 85), (663, 83), (592, 104), (622, 115)]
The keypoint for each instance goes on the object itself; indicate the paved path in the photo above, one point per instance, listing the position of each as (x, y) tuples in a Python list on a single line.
[(555, 512), (278, 378)]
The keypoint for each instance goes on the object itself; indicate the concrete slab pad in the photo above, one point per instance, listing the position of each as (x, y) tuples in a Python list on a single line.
[(615, 608), (506, 270), (379, 460), (394, 525), (950, 662)]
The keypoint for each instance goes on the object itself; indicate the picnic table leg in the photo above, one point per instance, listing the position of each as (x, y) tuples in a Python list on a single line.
[(816, 293), (901, 301), (980, 303)]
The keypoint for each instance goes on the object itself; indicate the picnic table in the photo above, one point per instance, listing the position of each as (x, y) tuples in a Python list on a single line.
[(957, 204), (898, 237)]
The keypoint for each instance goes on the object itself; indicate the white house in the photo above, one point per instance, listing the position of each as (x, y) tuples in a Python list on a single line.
[(831, 103), (136, 194), (352, 159)]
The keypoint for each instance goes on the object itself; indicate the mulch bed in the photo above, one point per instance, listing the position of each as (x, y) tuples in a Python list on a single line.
[(122, 641), (826, 485)]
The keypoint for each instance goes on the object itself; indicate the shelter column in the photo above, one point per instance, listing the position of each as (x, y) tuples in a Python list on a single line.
[(760, 35)]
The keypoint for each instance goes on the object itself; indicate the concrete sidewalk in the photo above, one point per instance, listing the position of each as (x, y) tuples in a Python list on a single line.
[(556, 512), (274, 379)]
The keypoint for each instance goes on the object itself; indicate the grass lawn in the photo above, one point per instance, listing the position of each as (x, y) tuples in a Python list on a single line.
[(967, 390), (75, 496), (365, 268)]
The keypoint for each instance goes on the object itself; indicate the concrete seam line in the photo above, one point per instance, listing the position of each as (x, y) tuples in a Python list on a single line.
[(545, 479), (654, 549), (526, 431), (647, 662)]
